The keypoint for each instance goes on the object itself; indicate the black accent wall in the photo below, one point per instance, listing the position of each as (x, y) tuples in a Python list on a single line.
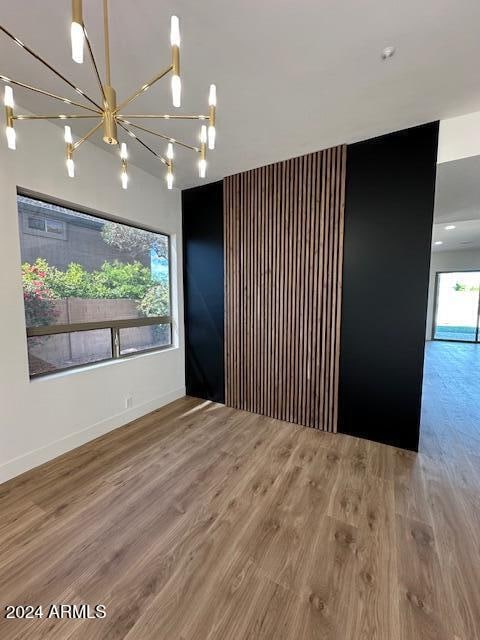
[(388, 226), (203, 280)]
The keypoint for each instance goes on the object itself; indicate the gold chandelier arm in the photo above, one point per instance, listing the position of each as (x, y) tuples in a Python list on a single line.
[(143, 88), (55, 117), (47, 93), (106, 42), (134, 135), (94, 64), (160, 135), (87, 135), (165, 116), (49, 66)]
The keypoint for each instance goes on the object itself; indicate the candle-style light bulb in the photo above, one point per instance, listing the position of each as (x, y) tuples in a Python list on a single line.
[(123, 157), (169, 175), (211, 137), (176, 91), (212, 96), (8, 97), (170, 151), (70, 168), (175, 43), (202, 163), (212, 103), (69, 161), (174, 31), (68, 135), (77, 34), (9, 130), (11, 138)]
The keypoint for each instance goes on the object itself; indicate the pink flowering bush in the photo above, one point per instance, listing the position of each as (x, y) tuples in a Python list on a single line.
[(39, 299)]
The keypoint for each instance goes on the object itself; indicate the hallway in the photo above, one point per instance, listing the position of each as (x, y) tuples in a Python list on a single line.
[(451, 404)]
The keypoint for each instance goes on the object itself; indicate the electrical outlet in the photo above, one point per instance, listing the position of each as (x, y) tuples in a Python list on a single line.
[(128, 402)]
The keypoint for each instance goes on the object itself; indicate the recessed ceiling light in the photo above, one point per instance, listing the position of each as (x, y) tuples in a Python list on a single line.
[(388, 53), (449, 227), (438, 242)]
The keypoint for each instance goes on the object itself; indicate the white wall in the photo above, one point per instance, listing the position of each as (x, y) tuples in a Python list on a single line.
[(459, 137), (448, 261), (43, 418)]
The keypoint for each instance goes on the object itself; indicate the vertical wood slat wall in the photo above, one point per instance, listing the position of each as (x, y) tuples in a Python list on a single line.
[(283, 279)]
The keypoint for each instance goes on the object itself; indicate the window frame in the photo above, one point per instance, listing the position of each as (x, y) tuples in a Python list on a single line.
[(43, 233), (113, 325)]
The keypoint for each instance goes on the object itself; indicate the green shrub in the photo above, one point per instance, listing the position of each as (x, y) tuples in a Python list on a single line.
[(120, 280), (113, 280), (75, 282), (156, 301), (42, 284)]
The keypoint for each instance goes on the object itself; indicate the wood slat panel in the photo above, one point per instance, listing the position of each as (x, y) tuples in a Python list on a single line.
[(283, 277)]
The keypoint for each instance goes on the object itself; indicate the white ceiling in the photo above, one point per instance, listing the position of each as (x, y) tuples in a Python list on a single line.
[(466, 235), (457, 203), (292, 77)]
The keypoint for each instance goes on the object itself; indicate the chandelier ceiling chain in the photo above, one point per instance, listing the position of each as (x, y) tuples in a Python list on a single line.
[(111, 115)]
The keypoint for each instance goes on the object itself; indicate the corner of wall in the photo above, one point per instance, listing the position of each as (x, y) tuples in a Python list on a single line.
[(39, 456)]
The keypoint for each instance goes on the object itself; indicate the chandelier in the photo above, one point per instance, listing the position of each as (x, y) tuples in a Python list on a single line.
[(109, 114)]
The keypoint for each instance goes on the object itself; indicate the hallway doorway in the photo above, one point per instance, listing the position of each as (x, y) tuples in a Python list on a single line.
[(450, 421)]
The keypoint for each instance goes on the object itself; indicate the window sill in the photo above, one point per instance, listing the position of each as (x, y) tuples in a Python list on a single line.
[(104, 363)]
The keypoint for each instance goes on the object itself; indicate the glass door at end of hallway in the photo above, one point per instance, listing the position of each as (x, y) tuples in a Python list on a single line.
[(457, 306)]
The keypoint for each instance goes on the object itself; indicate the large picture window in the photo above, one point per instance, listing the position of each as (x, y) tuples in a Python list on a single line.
[(93, 289)]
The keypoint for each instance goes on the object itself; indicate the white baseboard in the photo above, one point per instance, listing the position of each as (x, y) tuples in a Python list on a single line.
[(35, 458)]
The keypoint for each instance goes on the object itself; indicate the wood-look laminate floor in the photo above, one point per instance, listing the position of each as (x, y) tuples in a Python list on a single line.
[(201, 522)]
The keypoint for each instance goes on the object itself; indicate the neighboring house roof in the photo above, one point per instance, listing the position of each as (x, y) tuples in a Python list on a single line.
[(28, 205)]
